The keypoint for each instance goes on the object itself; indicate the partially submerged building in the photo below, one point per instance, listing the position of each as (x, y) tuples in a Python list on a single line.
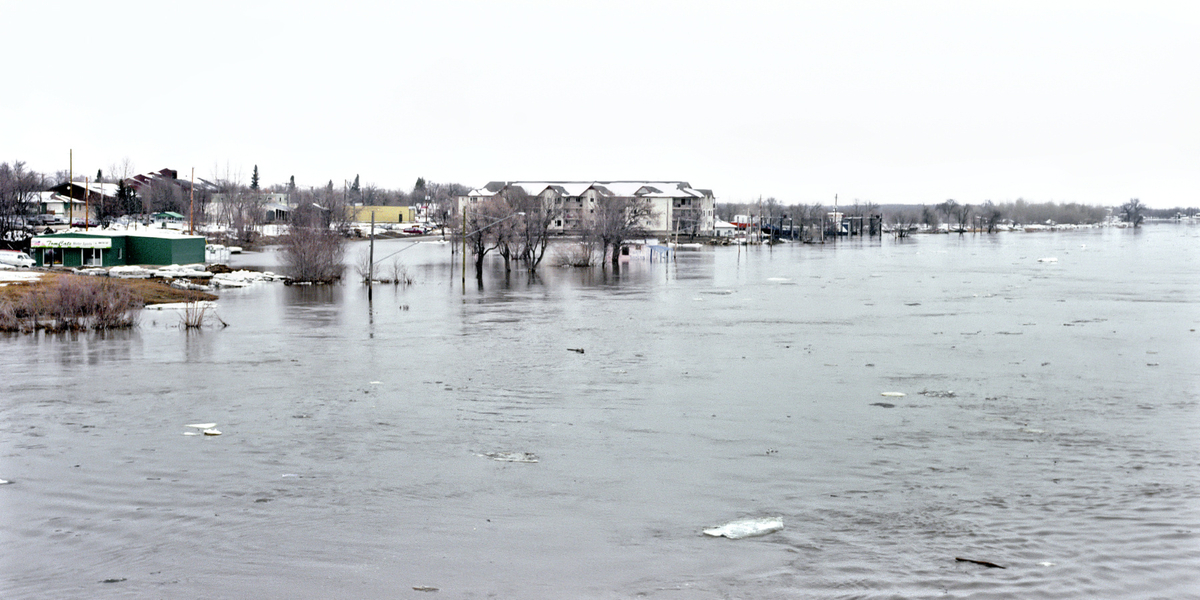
[(676, 207), (104, 248)]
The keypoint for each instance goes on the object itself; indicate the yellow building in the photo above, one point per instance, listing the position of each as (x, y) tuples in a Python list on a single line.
[(383, 214)]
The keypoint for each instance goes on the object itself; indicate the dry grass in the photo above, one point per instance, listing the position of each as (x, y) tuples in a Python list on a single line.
[(61, 302)]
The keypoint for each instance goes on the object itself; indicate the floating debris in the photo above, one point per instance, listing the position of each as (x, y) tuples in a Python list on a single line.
[(5, 481), (884, 404), (523, 457), (737, 530), (937, 394), (205, 429), (990, 565), (114, 580), (425, 588), (1048, 259), (579, 350), (893, 394)]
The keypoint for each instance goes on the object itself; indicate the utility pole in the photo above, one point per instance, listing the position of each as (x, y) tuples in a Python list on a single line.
[(192, 205), (70, 183), (464, 249), (371, 258)]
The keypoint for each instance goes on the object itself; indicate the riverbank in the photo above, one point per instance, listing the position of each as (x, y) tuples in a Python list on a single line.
[(57, 301)]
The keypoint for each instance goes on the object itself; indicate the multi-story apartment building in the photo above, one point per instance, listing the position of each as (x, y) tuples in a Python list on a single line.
[(675, 205)]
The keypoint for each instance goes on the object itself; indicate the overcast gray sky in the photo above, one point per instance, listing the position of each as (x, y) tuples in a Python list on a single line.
[(905, 101)]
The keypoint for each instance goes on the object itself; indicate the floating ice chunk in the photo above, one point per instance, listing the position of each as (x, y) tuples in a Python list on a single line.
[(737, 530), (202, 425), (893, 394), (524, 457), (1045, 564)]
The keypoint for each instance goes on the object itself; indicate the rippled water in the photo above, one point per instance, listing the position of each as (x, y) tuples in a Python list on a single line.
[(1050, 425)]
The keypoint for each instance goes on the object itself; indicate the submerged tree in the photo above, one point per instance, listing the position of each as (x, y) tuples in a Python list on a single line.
[(991, 215), (616, 221), (312, 250), (1131, 212), (534, 227), (478, 222)]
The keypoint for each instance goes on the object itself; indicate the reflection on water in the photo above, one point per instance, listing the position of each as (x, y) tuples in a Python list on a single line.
[(1049, 425)]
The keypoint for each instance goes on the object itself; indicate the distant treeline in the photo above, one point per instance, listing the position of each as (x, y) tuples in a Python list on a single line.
[(1018, 212)]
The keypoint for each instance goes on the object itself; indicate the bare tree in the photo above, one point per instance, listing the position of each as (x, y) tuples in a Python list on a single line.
[(1131, 212), (238, 207), (479, 221), (312, 250), (617, 220), (505, 229), (962, 216), (929, 216), (17, 187), (161, 195), (533, 227), (948, 208), (903, 224), (991, 215)]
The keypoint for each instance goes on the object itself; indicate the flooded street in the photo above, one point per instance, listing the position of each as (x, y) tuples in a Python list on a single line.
[(1050, 425)]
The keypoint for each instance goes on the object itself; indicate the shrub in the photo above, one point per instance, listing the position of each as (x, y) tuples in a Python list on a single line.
[(72, 303), (314, 254)]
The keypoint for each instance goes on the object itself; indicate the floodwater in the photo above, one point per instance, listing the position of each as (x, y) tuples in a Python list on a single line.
[(1051, 425)]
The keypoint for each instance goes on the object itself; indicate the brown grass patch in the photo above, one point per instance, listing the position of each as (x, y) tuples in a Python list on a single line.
[(60, 302)]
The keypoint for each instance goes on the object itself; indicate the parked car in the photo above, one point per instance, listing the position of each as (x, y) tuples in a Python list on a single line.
[(415, 230), (85, 223), (16, 258), (46, 219)]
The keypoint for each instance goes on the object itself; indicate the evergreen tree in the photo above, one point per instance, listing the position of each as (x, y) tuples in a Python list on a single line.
[(99, 176), (420, 185), (127, 201), (292, 183), (254, 179), (329, 188), (354, 186)]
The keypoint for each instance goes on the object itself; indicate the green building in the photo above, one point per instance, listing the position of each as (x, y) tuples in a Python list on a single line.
[(112, 249)]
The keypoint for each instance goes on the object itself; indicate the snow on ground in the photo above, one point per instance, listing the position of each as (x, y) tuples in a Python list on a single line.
[(10, 276)]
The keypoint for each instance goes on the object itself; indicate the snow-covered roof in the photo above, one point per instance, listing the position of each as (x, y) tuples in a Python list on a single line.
[(641, 189), (104, 189), (44, 197), (149, 232)]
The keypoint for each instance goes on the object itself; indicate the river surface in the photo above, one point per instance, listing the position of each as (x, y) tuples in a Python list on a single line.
[(1051, 425)]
